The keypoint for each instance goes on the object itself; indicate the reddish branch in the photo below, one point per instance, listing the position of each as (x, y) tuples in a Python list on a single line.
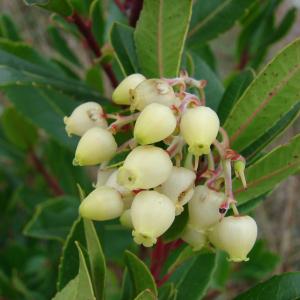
[(136, 7), (244, 59), (85, 30), (121, 6), (159, 256), (51, 181)]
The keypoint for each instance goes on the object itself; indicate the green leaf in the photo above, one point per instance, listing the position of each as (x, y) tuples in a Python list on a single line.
[(18, 129), (211, 18), (18, 71), (98, 23), (285, 25), (61, 45), (13, 51), (96, 258), (59, 6), (121, 38), (68, 266), (8, 28), (233, 92), (160, 35), (45, 109), (280, 287), (59, 161), (167, 292), (269, 170), (69, 291), (194, 282), (139, 274), (82, 7), (12, 77), (278, 129), (261, 263), (250, 205), (214, 89), (45, 223), (177, 227), (80, 288), (221, 272), (145, 295), (272, 94), (93, 78), (126, 290)]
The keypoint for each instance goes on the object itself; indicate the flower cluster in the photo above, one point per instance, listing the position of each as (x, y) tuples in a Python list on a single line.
[(175, 162)]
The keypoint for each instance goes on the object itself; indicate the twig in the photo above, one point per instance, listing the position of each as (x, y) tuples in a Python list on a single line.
[(158, 257), (51, 181), (121, 6), (244, 59), (136, 8), (86, 31)]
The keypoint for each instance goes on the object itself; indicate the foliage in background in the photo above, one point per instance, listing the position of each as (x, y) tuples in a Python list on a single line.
[(38, 184)]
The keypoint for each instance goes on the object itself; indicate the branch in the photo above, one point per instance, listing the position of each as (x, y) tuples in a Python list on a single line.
[(136, 8), (85, 30), (50, 180), (121, 6), (159, 256)]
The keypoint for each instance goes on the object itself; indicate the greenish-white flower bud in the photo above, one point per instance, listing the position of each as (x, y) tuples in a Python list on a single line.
[(121, 94), (145, 167), (195, 238), (204, 207), (126, 220), (84, 117), (152, 214), (179, 187), (236, 235), (104, 203), (199, 127), (102, 176), (112, 182), (127, 195), (155, 123), (152, 91), (95, 146)]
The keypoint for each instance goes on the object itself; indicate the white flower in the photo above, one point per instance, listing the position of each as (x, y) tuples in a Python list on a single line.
[(104, 203), (102, 176), (127, 195), (195, 238), (152, 91), (236, 235), (152, 214), (199, 127), (145, 167), (95, 146), (84, 117), (155, 123), (125, 219), (204, 207), (121, 94), (179, 187), (112, 182)]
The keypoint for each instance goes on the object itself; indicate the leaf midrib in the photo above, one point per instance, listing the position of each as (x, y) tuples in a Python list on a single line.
[(267, 177), (276, 89), (159, 39), (208, 18)]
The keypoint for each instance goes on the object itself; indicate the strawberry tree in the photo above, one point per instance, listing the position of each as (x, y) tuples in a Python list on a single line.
[(142, 166)]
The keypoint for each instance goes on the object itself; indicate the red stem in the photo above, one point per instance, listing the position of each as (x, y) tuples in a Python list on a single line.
[(136, 8), (244, 59), (85, 29), (121, 6), (159, 256), (51, 181)]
